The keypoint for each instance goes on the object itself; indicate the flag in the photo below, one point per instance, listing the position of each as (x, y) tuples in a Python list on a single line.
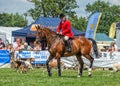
[(92, 25), (112, 30), (118, 35)]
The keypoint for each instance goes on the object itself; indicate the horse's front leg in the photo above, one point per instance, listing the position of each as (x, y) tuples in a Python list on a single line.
[(59, 67), (48, 67), (79, 58), (58, 63)]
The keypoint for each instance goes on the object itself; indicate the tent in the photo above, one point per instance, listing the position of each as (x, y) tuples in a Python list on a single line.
[(3, 36), (6, 33), (103, 37), (103, 41), (51, 23)]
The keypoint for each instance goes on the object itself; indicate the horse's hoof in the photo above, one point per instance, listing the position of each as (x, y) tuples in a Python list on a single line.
[(79, 76), (49, 74), (90, 75), (59, 75)]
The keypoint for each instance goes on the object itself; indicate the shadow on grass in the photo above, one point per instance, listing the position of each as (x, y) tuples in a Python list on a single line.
[(65, 76)]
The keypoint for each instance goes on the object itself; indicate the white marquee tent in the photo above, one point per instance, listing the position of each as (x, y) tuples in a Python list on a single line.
[(6, 32)]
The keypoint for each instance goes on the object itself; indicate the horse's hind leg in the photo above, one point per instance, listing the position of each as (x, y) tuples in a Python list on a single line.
[(91, 59), (81, 64), (48, 67)]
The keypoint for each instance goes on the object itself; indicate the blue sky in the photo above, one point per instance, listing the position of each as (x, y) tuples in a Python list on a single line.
[(21, 6)]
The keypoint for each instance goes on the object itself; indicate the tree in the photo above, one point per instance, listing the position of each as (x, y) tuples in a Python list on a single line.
[(52, 8), (12, 20), (79, 23), (110, 14)]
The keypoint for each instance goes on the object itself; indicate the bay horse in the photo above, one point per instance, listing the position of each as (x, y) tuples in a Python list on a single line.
[(56, 47)]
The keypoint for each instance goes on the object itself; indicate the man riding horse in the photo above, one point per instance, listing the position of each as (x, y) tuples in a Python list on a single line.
[(80, 46), (65, 27)]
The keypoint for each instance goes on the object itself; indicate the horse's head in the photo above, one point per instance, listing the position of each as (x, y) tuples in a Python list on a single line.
[(40, 34)]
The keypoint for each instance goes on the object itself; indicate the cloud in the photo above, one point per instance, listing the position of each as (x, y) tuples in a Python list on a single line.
[(21, 6), (82, 5), (115, 2), (13, 6), (24, 0)]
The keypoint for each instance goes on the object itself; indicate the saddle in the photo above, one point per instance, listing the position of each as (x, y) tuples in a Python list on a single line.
[(67, 43)]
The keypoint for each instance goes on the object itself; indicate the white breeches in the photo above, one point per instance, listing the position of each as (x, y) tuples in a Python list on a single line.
[(66, 37)]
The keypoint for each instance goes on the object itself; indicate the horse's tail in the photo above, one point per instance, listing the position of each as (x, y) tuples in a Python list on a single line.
[(95, 47)]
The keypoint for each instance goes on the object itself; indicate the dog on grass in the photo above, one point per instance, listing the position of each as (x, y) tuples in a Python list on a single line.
[(21, 66)]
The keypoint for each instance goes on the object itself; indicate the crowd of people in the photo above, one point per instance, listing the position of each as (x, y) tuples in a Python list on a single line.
[(18, 44)]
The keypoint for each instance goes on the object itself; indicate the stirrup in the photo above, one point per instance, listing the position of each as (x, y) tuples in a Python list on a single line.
[(69, 49)]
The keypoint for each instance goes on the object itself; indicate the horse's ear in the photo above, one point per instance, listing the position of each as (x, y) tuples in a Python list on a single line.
[(34, 27), (42, 27)]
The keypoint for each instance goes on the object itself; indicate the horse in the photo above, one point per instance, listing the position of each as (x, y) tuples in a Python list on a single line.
[(80, 45)]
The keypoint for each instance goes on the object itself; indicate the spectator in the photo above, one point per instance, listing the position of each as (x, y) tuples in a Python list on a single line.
[(9, 47), (116, 49), (2, 45), (37, 46), (26, 46), (112, 47), (31, 44), (17, 45)]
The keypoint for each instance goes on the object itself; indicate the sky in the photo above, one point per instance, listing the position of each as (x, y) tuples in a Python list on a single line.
[(21, 6)]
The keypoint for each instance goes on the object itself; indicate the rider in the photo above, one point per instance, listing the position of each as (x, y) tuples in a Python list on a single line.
[(65, 27)]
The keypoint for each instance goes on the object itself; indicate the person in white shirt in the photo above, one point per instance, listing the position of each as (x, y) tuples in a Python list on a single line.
[(17, 45)]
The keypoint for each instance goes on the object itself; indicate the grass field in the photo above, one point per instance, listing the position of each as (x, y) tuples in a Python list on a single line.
[(39, 77)]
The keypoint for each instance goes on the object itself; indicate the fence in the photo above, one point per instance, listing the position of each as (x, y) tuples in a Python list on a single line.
[(106, 59)]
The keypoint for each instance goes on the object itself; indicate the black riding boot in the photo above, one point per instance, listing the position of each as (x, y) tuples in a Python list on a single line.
[(69, 45)]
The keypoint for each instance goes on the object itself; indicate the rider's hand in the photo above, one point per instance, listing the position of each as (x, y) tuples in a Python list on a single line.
[(60, 33), (57, 32)]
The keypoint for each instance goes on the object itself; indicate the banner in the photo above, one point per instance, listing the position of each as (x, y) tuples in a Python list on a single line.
[(118, 38), (118, 35), (112, 30), (23, 54), (106, 59), (4, 59), (40, 56), (92, 25)]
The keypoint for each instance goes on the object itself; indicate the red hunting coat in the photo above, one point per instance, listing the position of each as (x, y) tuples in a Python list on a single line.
[(66, 29)]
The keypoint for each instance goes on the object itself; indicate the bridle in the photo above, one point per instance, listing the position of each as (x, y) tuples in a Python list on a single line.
[(43, 38)]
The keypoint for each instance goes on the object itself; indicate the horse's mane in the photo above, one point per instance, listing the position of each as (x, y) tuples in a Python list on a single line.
[(51, 36), (52, 32), (49, 30)]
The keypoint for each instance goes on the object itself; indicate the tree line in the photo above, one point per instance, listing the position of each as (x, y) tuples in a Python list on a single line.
[(12, 20), (52, 8)]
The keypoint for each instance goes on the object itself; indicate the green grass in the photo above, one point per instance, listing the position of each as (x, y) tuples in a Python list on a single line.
[(39, 77)]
